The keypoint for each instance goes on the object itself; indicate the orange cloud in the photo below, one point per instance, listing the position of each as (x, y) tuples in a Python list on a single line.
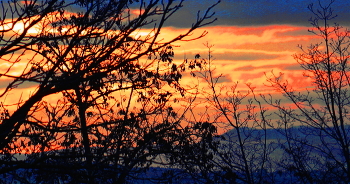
[(241, 54)]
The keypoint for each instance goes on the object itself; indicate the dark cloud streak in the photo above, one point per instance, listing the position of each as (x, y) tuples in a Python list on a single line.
[(281, 66), (235, 56), (259, 12)]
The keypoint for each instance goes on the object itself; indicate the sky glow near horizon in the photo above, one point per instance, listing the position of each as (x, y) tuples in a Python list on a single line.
[(251, 39)]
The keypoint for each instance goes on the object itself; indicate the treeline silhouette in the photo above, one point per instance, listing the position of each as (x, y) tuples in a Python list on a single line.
[(104, 102)]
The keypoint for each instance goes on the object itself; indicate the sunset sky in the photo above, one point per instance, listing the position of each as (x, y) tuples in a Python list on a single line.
[(251, 39), (254, 37)]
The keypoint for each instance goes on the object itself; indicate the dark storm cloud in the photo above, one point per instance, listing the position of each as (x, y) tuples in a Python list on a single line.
[(246, 12), (259, 12)]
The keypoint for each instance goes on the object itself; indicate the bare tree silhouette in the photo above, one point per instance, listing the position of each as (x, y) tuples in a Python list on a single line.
[(102, 102), (318, 150)]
